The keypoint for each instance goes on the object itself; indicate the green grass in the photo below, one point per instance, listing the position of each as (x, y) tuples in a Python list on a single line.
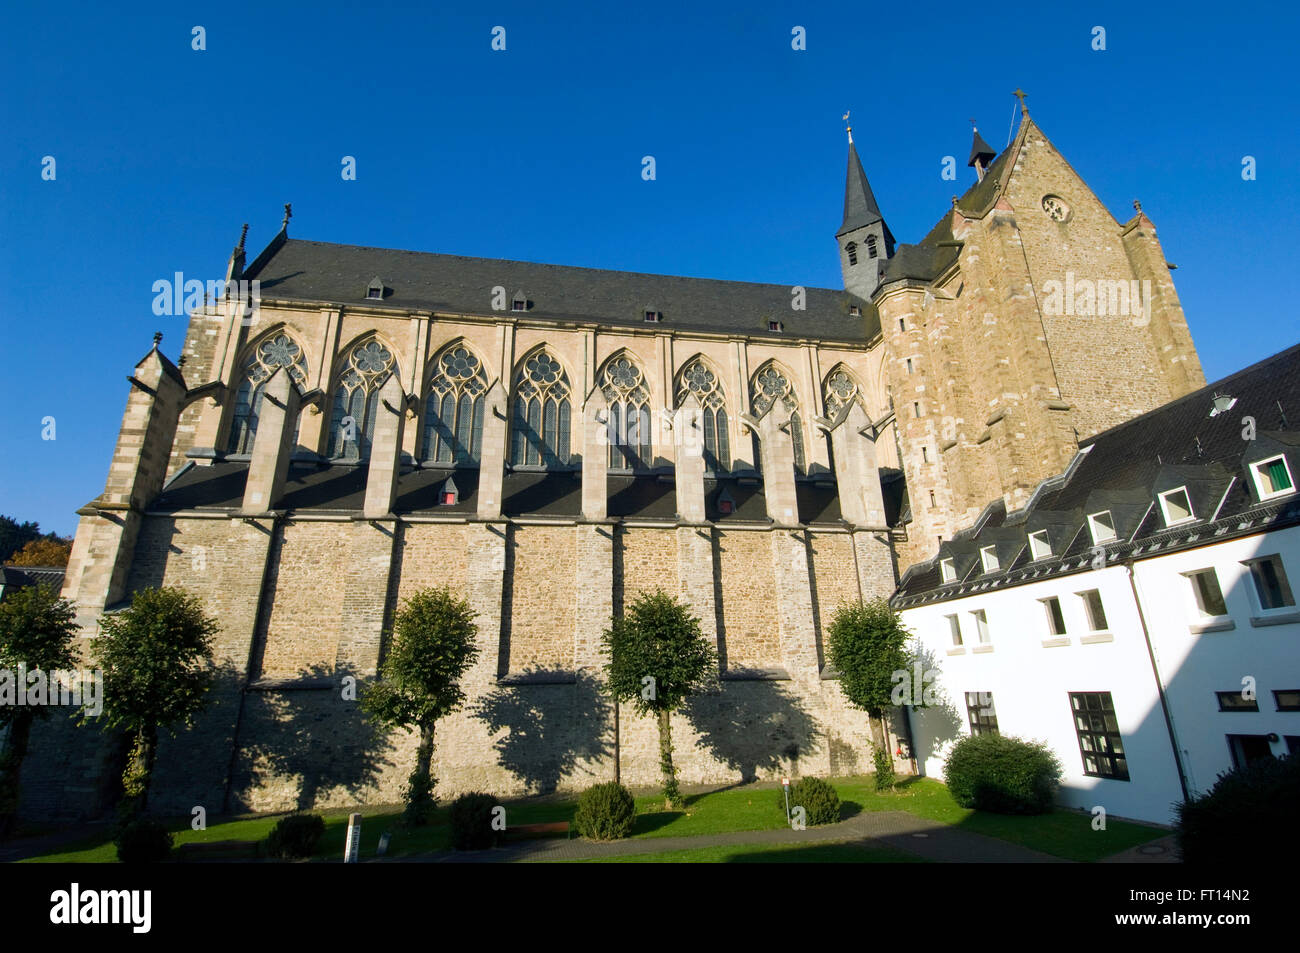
[(846, 853), (1066, 834)]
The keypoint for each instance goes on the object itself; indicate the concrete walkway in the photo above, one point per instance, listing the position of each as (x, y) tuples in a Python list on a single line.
[(930, 840)]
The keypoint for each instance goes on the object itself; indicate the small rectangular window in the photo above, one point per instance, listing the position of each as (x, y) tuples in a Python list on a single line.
[(1039, 545), (1287, 699), (981, 625), (374, 292), (774, 325), (981, 714), (1097, 727), (954, 629), (901, 325), (932, 503), (1055, 617), (855, 311), (946, 570), (652, 317), (518, 304), (1095, 610), (1177, 506), (1205, 588), (1271, 585), (1101, 526), (989, 558), (1236, 701), (916, 408), (925, 454), (909, 365), (1272, 477)]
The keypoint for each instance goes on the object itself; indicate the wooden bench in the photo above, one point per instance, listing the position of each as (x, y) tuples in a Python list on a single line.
[(218, 850), (523, 831)]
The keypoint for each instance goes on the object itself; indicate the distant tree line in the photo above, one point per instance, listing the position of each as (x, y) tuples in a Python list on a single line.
[(23, 544)]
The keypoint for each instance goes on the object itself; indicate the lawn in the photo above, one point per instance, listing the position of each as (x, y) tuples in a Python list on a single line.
[(784, 854), (1066, 834)]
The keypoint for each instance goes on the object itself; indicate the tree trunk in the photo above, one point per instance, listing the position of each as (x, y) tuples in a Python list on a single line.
[(672, 796), (424, 753), (11, 763), (139, 771)]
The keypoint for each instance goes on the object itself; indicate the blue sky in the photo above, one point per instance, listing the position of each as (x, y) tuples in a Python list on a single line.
[(535, 153)]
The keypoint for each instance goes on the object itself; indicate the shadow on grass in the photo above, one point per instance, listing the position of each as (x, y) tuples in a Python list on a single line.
[(646, 823)]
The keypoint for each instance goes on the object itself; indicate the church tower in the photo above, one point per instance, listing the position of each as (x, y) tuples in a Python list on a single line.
[(864, 239)]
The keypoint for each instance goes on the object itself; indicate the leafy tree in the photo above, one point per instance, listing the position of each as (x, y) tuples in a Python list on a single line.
[(867, 647), (37, 629), (659, 657), (14, 536), (157, 661), (43, 552), (433, 645)]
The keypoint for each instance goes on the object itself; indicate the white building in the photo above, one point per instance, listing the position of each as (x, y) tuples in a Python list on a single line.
[(1139, 614)]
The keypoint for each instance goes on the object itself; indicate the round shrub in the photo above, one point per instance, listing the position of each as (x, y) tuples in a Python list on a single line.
[(471, 822), (143, 841), (818, 799), (1003, 775), (1249, 810), (605, 812), (295, 836)]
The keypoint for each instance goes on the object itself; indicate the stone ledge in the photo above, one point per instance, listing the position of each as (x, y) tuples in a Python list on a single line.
[(292, 684), (538, 678), (755, 675)]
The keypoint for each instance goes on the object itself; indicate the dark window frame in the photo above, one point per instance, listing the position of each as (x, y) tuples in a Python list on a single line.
[(982, 717), (1241, 705), (1104, 745)]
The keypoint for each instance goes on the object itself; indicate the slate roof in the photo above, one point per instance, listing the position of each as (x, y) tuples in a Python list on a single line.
[(322, 272), (16, 577), (860, 208), (340, 489), (1123, 470)]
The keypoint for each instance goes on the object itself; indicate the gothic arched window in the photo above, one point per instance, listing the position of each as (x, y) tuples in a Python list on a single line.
[(871, 246), (541, 419), (356, 400), (279, 350), (453, 411), (625, 390), (852, 249), (772, 386), (697, 379), (841, 389)]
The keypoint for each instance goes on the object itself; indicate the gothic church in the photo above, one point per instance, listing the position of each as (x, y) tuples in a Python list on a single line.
[(551, 441)]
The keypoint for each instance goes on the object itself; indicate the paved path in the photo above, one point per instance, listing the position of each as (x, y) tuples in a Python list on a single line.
[(930, 840)]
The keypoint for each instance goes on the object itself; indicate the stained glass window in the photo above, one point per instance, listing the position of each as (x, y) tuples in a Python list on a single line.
[(279, 350)]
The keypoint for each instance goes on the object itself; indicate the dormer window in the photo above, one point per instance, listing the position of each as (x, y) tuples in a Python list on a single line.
[(1177, 506), (871, 246), (653, 317), (375, 290), (1040, 547), (1272, 477), (855, 311), (989, 558), (519, 302), (852, 249), (775, 326), (1101, 526), (448, 495), (947, 572)]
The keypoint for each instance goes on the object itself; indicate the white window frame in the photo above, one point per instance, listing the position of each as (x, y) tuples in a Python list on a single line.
[(981, 618), (1258, 477), (1093, 523), (989, 558), (1047, 612), (1203, 621), (1164, 506), (1087, 611), (1278, 614), (947, 571), (954, 631), (1037, 539)]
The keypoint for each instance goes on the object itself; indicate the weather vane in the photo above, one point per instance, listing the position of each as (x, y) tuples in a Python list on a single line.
[(848, 129)]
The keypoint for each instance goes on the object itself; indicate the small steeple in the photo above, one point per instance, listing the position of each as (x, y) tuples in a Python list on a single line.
[(288, 214), (235, 267), (981, 153), (864, 239)]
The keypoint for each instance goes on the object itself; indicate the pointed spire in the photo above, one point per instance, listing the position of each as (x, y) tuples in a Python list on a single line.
[(288, 214), (860, 206), (981, 153)]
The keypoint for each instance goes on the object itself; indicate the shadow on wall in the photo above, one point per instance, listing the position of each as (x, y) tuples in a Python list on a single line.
[(306, 739), (753, 727), (943, 722), (552, 722)]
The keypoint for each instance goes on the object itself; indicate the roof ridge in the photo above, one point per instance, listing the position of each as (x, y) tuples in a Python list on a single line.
[(785, 287)]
